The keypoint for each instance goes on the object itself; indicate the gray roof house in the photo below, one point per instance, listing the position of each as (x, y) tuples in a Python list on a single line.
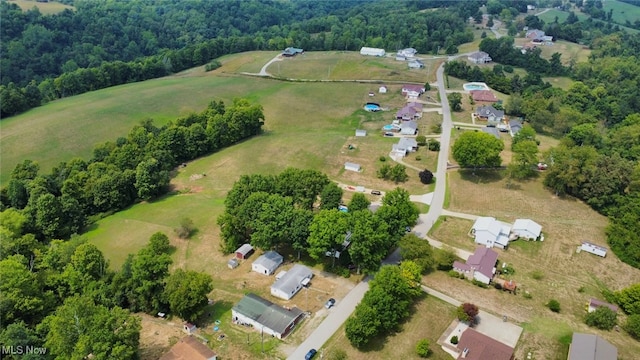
[(291, 282), (591, 347), (479, 57), (490, 114), (415, 64), (527, 228), (491, 131), (291, 51), (265, 316), (480, 266), (267, 263), (409, 127), (514, 127), (408, 143)]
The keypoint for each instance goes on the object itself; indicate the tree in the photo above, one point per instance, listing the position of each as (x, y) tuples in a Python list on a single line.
[(426, 176), (455, 101), (444, 258), (525, 157), (273, 221), (421, 140), (363, 325), (326, 232), (186, 293), (554, 305), (186, 228), (632, 326), (369, 240), (159, 243), (467, 312), (299, 229), (422, 348), (417, 250), (603, 318), (477, 149), (18, 336), (87, 265), (145, 286), (359, 202), (331, 196), (79, 328), (398, 212), (427, 86), (629, 299), (433, 145), (21, 295), (151, 179)]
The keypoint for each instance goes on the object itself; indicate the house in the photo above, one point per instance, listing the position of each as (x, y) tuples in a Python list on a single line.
[(594, 249), (291, 51), (595, 303), (479, 57), (473, 345), (400, 57), (189, 328), (415, 64), (527, 229), (382, 89), (244, 251), (480, 266), (398, 151), (533, 34), (515, 126), (410, 144), (483, 95), (417, 107), (491, 131), (406, 113), (189, 348), (591, 347), (291, 282), (407, 53), (491, 115), (361, 133), (371, 51), (265, 316), (233, 263), (352, 166), (531, 7), (409, 127), (267, 263), (490, 232), (412, 90)]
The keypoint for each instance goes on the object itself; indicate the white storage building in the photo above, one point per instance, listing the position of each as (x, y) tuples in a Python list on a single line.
[(372, 51), (291, 282), (593, 248), (352, 166), (527, 228), (267, 263)]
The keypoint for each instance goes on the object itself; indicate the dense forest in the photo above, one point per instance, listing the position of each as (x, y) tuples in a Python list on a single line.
[(107, 44)]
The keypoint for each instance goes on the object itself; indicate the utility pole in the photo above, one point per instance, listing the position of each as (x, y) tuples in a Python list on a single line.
[(262, 335)]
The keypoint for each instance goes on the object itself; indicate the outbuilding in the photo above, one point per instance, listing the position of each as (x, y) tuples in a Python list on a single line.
[(352, 166), (361, 133), (372, 51), (382, 89), (267, 263), (594, 249), (527, 229), (291, 282), (244, 251)]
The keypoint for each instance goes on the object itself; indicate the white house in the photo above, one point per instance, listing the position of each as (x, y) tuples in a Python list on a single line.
[(361, 133), (408, 143), (409, 127), (265, 316), (371, 51), (412, 90), (408, 52), (479, 57), (527, 228), (490, 232), (352, 166), (416, 64), (291, 282), (267, 263), (594, 249)]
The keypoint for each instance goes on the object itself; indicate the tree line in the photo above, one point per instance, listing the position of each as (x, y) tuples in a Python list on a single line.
[(107, 44), (298, 209), (130, 169)]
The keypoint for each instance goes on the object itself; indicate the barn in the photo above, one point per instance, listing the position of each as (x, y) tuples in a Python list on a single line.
[(244, 251), (372, 51)]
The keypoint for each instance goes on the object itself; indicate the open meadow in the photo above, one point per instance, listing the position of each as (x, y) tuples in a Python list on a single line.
[(547, 270), (46, 8)]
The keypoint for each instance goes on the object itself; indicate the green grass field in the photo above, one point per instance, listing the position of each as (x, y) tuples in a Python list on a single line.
[(622, 12), (51, 7)]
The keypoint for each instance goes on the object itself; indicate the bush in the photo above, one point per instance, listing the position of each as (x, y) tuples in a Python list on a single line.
[(480, 284), (436, 128), (422, 349), (537, 275), (581, 289), (632, 326), (554, 305), (434, 145), (426, 176), (527, 295), (383, 158), (467, 312), (454, 340), (212, 65), (603, 318), (508, 69), (186, 228), (421, 140), (455, 274), (418, 157), (508, 270), (497, 286), (445, 259)]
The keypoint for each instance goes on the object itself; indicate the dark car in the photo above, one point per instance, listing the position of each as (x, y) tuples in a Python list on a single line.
[(310, 354), (375, 192), (329, 304)]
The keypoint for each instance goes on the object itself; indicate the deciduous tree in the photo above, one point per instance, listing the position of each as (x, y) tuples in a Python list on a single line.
[(186, 293), (477, 149)]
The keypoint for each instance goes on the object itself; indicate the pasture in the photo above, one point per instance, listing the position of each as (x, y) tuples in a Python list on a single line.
[(46, 8), (551, 269), (622, 12)]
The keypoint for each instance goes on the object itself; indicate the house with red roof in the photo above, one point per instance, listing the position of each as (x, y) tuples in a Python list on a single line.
[(480, 266), (476, 346), (483, 95)]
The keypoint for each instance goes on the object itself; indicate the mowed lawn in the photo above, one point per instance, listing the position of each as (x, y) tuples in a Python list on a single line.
[(547, 270), (46, 8), (622, 12), (429, 318)]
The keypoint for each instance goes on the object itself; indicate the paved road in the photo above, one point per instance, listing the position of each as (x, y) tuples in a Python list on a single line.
[(337, 316)]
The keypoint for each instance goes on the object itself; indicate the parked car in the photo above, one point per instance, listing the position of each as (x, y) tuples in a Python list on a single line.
[(375, 192), (389, 134), (329, 304), (310, 354)]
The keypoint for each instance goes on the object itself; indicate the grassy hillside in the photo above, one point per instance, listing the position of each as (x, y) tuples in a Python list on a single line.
[(51, 7), (622, 12)]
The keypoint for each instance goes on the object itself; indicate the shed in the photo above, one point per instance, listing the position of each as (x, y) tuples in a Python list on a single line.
[(595, 303), (233, 263), (244, 251), (291, 282), (189, 328), (372, 51), (382, 89), (361, 133), (352, 166), (527, 228), (267, 263), (593, 248)]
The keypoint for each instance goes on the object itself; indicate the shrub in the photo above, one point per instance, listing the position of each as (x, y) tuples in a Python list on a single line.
[(455, 274), (383, 158), (554, 305), (436, 128), (186, 228), (632, 326), (537, 275), (422, 349), (527, 295), (434, 145), (467, 312), (454, 340), (508, 69), (212, 65), (426, 176), (418, 157), (581, 289), (508, 270), (497, 286), (421, 140), (445, 259), (479, 283), (603, 318)]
